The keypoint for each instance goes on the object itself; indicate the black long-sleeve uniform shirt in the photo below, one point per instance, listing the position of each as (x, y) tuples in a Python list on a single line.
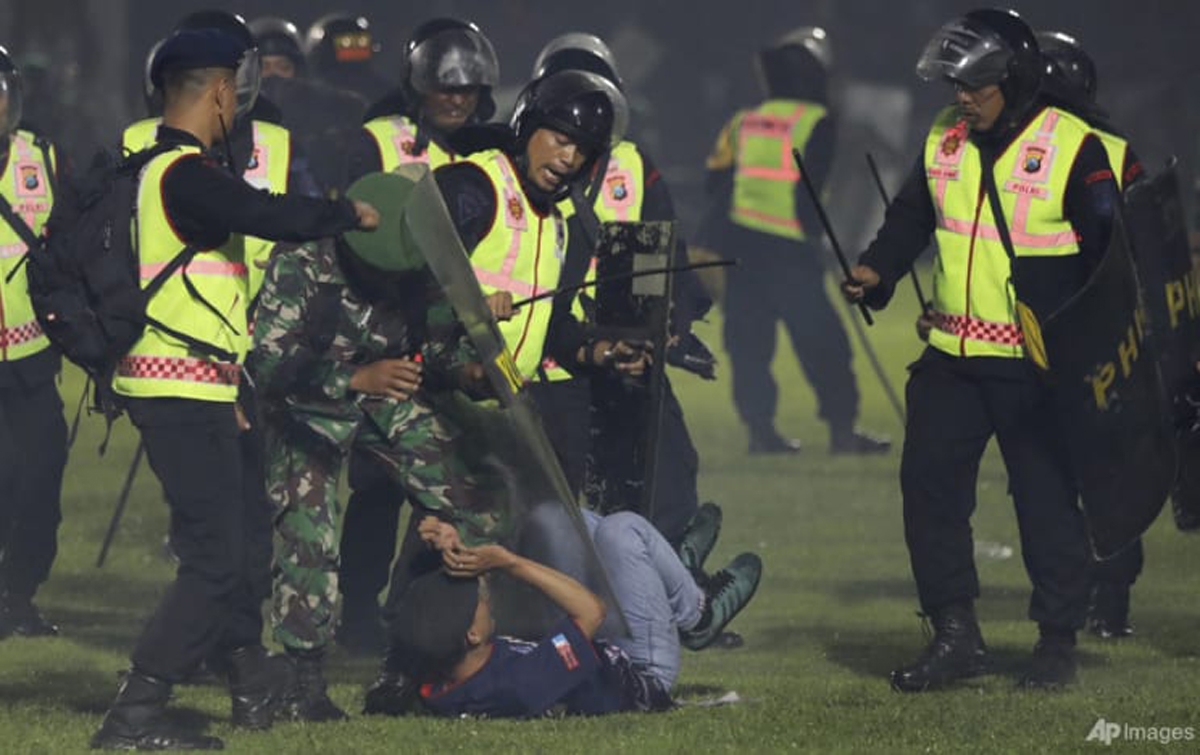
[(205, 203), (1044, 283)]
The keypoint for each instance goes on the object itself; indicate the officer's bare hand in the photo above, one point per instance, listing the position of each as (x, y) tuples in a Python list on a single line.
[(501, 304), (368, 216), (393, 378), (439, 535), (862, 280), (924, 325), (631, 358), (470, 562)]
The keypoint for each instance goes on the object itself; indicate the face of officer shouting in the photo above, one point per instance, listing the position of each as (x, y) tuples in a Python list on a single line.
[(553, 159)]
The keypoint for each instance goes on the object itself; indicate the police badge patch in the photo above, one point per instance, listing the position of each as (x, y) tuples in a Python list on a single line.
[(29, 177), (1032, 162)]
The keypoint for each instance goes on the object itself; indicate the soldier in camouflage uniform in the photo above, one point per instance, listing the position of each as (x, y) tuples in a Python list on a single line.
[(355, 350)]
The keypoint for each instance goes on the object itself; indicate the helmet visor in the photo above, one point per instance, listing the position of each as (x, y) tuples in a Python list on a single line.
[(961, 54), (249, 80), (10, 102), (453, 58)]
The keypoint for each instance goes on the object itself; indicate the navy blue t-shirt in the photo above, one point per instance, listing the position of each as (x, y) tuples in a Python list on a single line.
[(526, 679)]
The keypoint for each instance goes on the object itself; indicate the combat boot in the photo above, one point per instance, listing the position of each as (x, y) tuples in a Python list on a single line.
[(137, 721), (700, 536), (726, 593), (258, 684), (955, 652), (1054, 665), (769, 441), (847, 440), (308, 699), (21, 617), (1108, 611), (392, 694)]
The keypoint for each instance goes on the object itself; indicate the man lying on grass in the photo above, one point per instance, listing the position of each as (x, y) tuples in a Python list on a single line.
[(447, 631)]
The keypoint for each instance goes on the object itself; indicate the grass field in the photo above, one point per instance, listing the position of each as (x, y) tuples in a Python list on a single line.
[(834, 614)]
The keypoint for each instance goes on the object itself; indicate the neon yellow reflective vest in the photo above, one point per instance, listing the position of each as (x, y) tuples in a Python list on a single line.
[(976, 313), (160, 365), (268, 169), (26, 186), (765, 174), (522, 253), (396, 138)]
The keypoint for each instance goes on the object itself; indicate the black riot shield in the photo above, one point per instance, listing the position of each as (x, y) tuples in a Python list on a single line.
[(1111, 402), (627, 413), (503, 435), (1158, 235)]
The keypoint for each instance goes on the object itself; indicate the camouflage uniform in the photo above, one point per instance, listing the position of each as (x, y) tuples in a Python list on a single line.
[(311, 333)]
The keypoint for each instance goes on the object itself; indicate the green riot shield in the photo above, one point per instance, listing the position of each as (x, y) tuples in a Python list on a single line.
[(1110, 400), (503, 435), (627, 413), (1158, 235)]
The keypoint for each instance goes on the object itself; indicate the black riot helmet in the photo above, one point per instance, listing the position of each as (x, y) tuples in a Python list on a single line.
[(446, 53), (249, 70), (10, 95), (986, 47), (150, 93), (278, 36), (337, 40), (576, 103), (579, 51), (796, 66), (1068, 66)]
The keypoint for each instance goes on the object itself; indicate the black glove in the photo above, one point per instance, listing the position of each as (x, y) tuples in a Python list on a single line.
[(691, 354)]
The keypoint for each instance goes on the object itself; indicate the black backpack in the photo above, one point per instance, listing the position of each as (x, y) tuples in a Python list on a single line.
[(84, 282)]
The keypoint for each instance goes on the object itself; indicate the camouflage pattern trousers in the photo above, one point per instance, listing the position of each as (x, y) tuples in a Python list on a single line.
[(302, 480)]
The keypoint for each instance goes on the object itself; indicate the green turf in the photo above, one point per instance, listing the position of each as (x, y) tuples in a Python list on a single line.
[(834, 614)]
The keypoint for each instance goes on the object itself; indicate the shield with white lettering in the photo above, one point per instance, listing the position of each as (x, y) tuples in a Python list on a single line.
[(1158, 236), (626, 412), (1111, 401)]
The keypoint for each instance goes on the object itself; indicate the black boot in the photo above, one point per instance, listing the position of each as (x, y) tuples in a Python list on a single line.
[(1054, 665), (258, 683), (308, 699), (392, 693), (137, 721), (766, 440), (1108, 611), (19, 616), (955, 652), (844, 439)]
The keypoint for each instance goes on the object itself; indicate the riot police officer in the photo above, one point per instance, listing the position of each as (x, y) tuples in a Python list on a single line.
[(1072, 79), (762, 215), (279, 47), (341, 49), (449, 72), (33, 435), (1014, 189)]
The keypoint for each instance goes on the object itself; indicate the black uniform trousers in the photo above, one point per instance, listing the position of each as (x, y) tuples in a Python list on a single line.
[(955, 405), (782, 280), (33, 453), (220, 529), (369, 533)]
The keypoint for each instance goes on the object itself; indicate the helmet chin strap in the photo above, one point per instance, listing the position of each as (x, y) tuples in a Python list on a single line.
[(228, 149)]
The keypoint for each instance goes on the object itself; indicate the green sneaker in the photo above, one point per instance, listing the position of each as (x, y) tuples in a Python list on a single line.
[(700, 536), (727, 592)]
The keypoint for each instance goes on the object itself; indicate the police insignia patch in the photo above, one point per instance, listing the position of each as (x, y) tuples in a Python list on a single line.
[(253, 160), (407, 146), (29, 177), (617, 187), (1033, 159), (515, 211)]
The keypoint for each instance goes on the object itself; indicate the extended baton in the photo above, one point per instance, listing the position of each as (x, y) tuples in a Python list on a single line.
[(925, 305), (623, 276), (122, 499), (837, 248)]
